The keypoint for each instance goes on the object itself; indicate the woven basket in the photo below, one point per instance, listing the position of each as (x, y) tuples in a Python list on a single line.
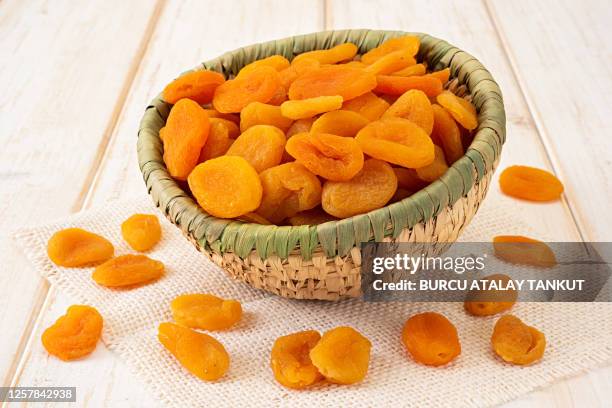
[(323, 261)]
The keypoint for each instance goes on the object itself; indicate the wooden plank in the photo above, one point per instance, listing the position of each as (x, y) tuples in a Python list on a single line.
[(62, 90), (561, 55)]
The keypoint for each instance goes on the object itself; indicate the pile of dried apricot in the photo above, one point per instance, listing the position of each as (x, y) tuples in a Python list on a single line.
[(321, 137)]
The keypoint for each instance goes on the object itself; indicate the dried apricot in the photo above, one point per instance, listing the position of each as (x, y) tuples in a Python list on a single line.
[(335, 54), (530, 183), (523, 250), (218, 141), (261, 145), (297, 68), (431, 339), (277, 62), (329, 156), (461, 109), (290, 359), (435, 169), (72, 247), (185, 134), (202, 355), (206, 312), (257, 113), (279, 97), (413, 70), (307, 108), (311, 217), (258, 85), (332, 80), (408, 179), (233, 131), (199, 86), (414, 105), (517, 343), (398, 141), (342, 355), (74, 334), (392, 62), (398, 85), (226, 187), (370, 189), (232, 117), (340, 122), (443, 75), (446, 134), (141, 231), (368, 105), (300, 126), (408, 43), (493, 301), (128, 270)]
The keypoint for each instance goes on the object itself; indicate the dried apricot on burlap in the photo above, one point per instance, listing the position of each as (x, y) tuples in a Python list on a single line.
[(300, 126), (141, 231), (128, 270), (206, 312), (431, 339), (408, 179), (232, 117), (311, 217), (218, 141), (414, 105), (398, 85), (461, 109), (200, 354), (487, 302), (446, 134), (443, 75), (259, 85), (340, 122), (342, 52), (74, 334), (413, 70), (287, 190), (332, 80), (307, 108), (530, 183), (185, 134), (392, 62), (261, 145), (398, 141), (277, 62), (518, 249), (290, 359), (368, 105), (257, 113), (199, 86), (408, 43), (288, 75), (370, 189), (329, 156), (226, 186), (342, 355), (517, 343), (435, 169), (73, 247)]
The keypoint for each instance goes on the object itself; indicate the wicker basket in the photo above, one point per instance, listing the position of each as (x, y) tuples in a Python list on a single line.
[(323, 261)]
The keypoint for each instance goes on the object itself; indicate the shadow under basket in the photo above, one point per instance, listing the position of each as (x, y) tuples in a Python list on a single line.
[(324, 261)]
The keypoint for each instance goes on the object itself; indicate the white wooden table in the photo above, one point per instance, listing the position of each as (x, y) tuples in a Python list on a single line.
[(75, 78)]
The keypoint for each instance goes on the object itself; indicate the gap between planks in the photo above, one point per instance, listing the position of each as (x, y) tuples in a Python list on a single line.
[(45, 293)]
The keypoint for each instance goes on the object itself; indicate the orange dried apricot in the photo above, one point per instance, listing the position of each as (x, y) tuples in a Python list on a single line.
[(329, 156), (300, 126), (233, 131), (392, 62), (530, 183), (290, 359), (185, 134), (443, 75), (333, 55), (446, 134), (128, 270), (232, 117), (332, 80), (287, 190), (206, 312), (431, 339), (257, 113), (370, 189), (368, 105), (414, 105), (398, 141), (408, 179), (74, 334), (398, 85), (435, 169), (141, 231), (461, 109), (261, 145), (200, 354), (340, 122), (417, 69), (226, 186), (73, 247), (279, 97), (409, 44), (277, 62), (297, 68), (517, 343), (307, 108), (342, 355), (199, 86), (493, 301), (523, 250), (258, 85), (218, 141), (311, 217)]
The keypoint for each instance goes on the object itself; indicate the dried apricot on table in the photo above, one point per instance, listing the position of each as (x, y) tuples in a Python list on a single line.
[(206, 312), (329, 156), (398, 85), (185, 134), (431, 339), (523, 250), (258, 85), (517, 343), (368, 105), (261, 145), (370, 189), (202, 355), (342, 355), (307, 108), (435, 169), (290, 359), (128, 270), (226, 187), (446, 134), (311, 217), (530, 183), (257, 113), (413, 70), (74, 334), (414, 105), (277, 62), (340, 122), (72, 247), (198, 86), (141, 231), (398, 141), (218, 141), (332, 80), (332, 55), (392, 62), (487, 302), (461, 109)]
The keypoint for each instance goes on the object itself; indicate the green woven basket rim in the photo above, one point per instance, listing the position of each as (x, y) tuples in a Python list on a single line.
[(336, 238)]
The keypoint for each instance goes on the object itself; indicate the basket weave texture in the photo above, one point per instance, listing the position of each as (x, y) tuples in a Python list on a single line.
[(323, 261)]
